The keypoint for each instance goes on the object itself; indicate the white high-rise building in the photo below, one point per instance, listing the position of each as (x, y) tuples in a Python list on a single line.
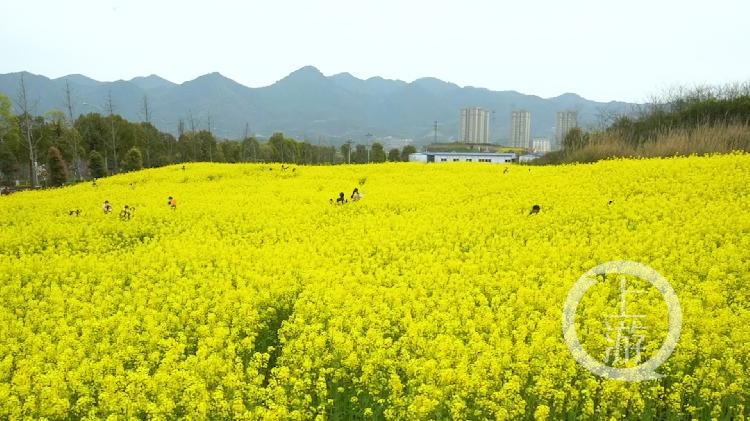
[(541, 145), (520, 128), (566, 120), (475, 125)]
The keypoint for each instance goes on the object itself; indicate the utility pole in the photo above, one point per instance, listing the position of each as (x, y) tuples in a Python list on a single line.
[(147, 116), (349, 151), (493, 121), (435, 137), (110, 109), (369, 145), (244, 139), (210, 143)]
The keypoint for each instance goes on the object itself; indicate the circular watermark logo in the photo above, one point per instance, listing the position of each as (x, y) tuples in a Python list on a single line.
[(645, 371)]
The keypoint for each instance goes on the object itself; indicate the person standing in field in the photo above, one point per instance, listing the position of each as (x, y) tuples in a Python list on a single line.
[(126, 212), (172, 203), (355, 195), (106, 207)]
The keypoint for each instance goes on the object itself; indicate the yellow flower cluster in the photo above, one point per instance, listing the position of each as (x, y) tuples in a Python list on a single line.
[(436, 296)]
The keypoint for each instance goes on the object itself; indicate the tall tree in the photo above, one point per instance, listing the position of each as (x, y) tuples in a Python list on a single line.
[(9, 139), (96, 165), (8, 162), (276, 141), (575, 139), (111, 111), (133, 160), (27, 127), (94, 131), (250, 149), (377, 152), (230, 150), (146, 109), (408, 149), (207, 146), (74, 136), (360, 154), (394, 155), (58, 171)]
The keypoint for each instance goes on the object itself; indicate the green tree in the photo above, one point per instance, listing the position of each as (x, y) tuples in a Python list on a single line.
[(133, 160), (231, 150), (71, 141), (94, 131), (9, 140), (278, 149), (575, 139), (96, 165), (377, 153), (394, 155), (7, 120), (8, 163), (58, 171), (250, 150), (207, 146), (29, 126), (291, 151), (408, 149), (188, 147), (359, 155), (265, 152)]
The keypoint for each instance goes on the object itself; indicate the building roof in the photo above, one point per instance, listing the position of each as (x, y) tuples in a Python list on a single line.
[(503, 154)]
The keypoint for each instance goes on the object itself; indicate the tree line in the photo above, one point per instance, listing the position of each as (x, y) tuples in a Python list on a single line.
[(686, 121), (55, 148)]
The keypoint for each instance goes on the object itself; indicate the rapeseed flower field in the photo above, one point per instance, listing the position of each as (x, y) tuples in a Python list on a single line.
[(436, 296)]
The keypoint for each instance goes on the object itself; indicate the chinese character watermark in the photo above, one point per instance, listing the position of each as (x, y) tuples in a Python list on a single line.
[(627, 335), (624, 332)]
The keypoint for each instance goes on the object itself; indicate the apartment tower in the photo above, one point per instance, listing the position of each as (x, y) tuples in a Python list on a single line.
[(475, 125), (566, 120), (520, 128)]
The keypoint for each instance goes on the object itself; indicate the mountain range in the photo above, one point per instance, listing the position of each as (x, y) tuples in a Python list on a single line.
[(307, 105)]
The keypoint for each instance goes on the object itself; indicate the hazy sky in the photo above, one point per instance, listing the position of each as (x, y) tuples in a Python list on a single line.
[(602, 50)]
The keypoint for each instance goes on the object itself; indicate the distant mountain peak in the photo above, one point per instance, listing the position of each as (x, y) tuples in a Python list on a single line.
[(213, 77), (304, 76), (151, 81), (150, 77), (80, 79), (429, 79), (305, 73), (569, 95), (343, 75), (308, 69)]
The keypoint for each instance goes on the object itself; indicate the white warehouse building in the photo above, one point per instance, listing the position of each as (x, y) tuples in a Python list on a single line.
[(489, 157)]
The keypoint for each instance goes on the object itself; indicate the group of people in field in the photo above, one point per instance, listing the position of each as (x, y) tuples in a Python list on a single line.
[(127, 211), (354, 197)]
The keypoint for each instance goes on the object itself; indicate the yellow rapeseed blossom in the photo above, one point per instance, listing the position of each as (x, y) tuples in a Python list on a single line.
[(437, 296)]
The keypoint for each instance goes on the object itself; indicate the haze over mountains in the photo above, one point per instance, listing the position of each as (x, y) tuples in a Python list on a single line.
[(307, 105)]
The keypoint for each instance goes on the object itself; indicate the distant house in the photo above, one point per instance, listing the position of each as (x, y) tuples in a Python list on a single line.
[(488, 157)]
